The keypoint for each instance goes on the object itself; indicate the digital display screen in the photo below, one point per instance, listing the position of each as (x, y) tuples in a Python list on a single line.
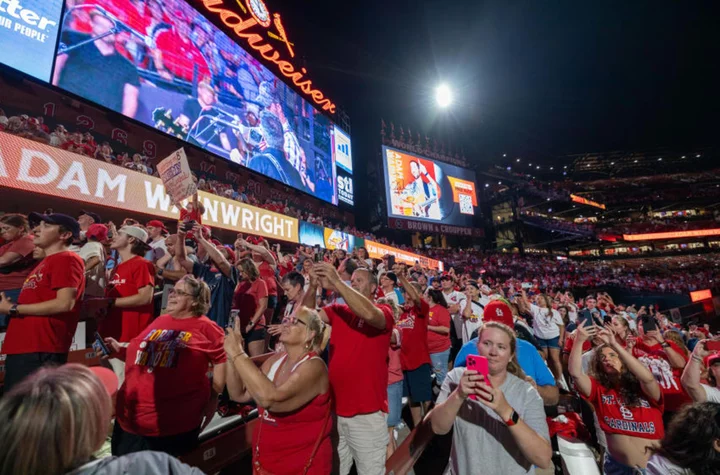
[(164, 64), (342, 148), (28, 32), (422, 189), (346, 188), (326, 238)]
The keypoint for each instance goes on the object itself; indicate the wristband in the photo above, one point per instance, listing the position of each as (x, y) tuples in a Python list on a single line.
[(665, 344), (697, 358), (242, 353), (160, 272), (514, 418), (13, 310)]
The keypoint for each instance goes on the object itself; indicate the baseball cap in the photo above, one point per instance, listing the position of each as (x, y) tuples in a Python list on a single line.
[(97, 231), (94, 216), (108, 379), (498, 311), (156, 223), (446, 277), (231, 254), (392, 276), (135, 231), (59, 219), (712, 359)]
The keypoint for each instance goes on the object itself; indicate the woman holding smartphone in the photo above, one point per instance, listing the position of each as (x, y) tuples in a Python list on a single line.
[(626, 397), (702, 356), (505, 422)]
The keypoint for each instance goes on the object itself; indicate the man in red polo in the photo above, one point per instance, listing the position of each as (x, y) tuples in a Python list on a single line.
[(358, 368), (45, 317), (176, 55)]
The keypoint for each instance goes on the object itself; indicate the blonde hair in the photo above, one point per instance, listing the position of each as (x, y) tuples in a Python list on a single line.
[(200, 294), (513, 366), (249, 267), (314, 323), (393, 306), (62, 413)]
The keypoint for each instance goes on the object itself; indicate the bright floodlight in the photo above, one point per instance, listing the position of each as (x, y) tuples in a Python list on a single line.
[(443, 95)]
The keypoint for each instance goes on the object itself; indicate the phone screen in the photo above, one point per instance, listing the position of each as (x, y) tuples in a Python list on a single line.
[(586, 317), (649, 323), (99, 345)]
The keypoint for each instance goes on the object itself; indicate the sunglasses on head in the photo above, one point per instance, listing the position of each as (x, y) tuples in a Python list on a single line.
[(292, 321)]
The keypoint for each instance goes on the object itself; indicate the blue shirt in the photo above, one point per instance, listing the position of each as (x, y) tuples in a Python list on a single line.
[(222, 289), (528, 357)]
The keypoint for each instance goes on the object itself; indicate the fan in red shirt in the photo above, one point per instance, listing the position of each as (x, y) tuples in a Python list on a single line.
[(626, 397), (176, 54), (45, 317), (267, 264), (167, 397), (129, 292), (438, 336), (666, 362), (16, 255), (250, 300), (414, 352), (358, 370)]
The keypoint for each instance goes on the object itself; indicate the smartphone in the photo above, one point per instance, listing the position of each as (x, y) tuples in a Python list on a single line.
[(712, 345), (586, 317), (391, 261), (99, 345), (317, 257), (526, 285), (649, 323), (479, 364)]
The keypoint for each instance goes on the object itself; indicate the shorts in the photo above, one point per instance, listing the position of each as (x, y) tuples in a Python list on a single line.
[(395, 395), (552, 343), (417, 384), (256, 334), (613, 467)]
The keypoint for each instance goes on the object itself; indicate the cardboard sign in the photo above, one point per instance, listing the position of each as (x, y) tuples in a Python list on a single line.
[(176, 176)]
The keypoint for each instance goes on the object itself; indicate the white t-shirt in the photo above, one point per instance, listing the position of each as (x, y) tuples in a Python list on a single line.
[(712, 394), (454, 297), (95, 278), (469, 325), (545, 322)]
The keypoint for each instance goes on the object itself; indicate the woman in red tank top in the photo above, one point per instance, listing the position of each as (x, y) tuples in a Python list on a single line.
[(292, 391)]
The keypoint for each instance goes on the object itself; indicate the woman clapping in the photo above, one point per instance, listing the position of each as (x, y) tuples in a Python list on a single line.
[(293, 392), (626, 397)]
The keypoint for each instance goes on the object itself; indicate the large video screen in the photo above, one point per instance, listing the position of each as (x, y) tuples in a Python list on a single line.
[(28, 33), (164, 64), (422, 189)]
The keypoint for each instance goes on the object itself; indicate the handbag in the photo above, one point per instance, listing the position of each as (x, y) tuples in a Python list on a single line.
[(258, 468)]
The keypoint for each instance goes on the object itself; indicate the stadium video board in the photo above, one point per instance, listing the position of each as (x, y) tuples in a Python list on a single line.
[(28, 33), (421, 189), (164, 64)]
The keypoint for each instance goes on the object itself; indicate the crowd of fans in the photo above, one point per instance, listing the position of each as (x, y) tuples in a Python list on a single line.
[(481, 348)]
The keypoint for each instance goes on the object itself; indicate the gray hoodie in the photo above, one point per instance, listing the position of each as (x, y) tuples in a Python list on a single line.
[(138, 463)]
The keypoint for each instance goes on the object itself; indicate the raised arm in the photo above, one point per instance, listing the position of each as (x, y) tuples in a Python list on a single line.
[(216, 256), (181, 253), (262, 250), (693, 372), (410, 289), (582, 380)]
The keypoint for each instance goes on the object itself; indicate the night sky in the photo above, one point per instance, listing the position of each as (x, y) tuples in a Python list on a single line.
[(535, 79)]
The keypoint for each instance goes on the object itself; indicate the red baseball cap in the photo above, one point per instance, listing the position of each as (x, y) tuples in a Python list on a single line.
[(156, 223), (231, 254), (498, 311), (108, 379), (97, 231), (712, 359)]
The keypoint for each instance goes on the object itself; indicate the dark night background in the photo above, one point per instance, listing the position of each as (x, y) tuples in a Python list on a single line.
[(532, 78)]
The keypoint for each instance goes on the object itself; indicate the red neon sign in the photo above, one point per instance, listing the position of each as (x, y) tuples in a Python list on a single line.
[(585, 201), (699, 295), (241, 26), (672, 235)]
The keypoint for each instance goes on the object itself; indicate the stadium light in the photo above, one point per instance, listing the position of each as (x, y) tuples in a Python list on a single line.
[(443, 95)]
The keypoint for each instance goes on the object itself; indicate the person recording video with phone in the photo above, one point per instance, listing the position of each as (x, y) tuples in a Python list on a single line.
[(626, 397), (251, 300), (497, 416), (359, 385), (167, 397), (95, 70)]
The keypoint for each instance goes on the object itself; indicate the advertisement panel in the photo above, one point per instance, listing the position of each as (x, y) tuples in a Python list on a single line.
[(672, 235), (434, 228), (342, 148), (165, 65), (28, 33), (422, 189), (377, 250), (585, 201), (326, 238), (346, 188), (311, 235), (42, 169)]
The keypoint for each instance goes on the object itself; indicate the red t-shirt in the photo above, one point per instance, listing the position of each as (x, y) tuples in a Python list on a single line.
[(47, 333), (268, 275), (570, 341), (438, 317), (655, 359), (20, 269), (644, 421), (166, 385), (414, 351), (246, 299), (180, 56), (128, 278), (358, 368)]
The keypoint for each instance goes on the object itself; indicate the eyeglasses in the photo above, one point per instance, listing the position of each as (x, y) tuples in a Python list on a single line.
[(292, 321), (179, 292)]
